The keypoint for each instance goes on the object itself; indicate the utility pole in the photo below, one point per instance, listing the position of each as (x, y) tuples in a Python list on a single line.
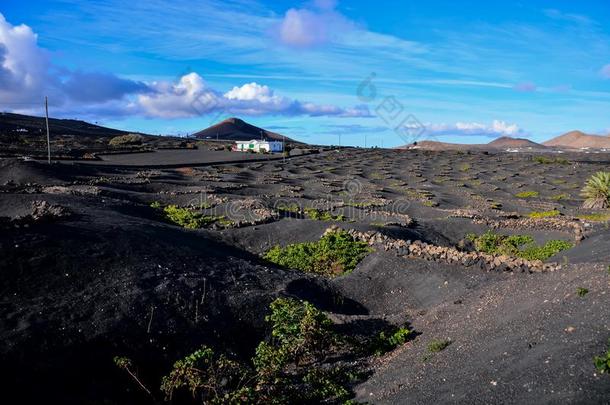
[(46, 108), (365, 140), (284, 147)]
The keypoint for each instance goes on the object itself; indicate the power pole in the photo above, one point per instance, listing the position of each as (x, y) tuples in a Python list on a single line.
[(284, 147), (46, 108)]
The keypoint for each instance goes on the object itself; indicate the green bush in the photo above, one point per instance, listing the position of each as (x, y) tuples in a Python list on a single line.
[(544, 214), (318, 215), (388, 341), (334, 254), (547, 160), (208, 377), (549, 249), (299, 363), (560, 197), (527, 194), (125, 140), (598, 217), (436, 345), (602, 363), (597, 191), (188, 218), (581, 291), (522, 246)]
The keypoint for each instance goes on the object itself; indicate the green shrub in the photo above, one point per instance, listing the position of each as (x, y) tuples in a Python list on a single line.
[(560, 197), (598, 217), (188, 218), (208, 377), (334, 254), (293, 208), (388, 341), (581, 291), (527, 194), (597, 191), (465, 167), (436, 345), (602, 363), (125, 140), (549, 249), (298, 331), (300, 362), (547, 160), (522, 246), (544, 214), (318, 215)]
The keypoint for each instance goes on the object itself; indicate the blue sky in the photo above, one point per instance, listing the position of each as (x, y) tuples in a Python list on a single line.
[(382, 72)]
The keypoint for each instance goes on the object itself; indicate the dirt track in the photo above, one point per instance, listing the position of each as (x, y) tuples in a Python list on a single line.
[(79, 289)]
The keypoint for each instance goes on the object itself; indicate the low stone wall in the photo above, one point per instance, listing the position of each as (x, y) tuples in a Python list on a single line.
[(449, 255), (41, 211), (514, 221)]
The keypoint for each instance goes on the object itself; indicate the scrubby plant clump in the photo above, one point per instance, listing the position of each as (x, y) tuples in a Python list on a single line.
[(437, 345), (522, 246), (597, 191), (544, 214), (527, 194), (549, 160), (125, 140), (318, 215), (334, 254), (602, 363), (304, 361), (388, 340), (209, 378), (189, 218)]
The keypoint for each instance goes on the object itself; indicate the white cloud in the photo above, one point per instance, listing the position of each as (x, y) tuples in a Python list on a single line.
[(302, 28), (252, 91), (187, 98), (27, 74), (191, 97), (23, 65), (495, 129)]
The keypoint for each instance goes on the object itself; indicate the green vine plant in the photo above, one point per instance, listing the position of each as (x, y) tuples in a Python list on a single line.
[(303, 361)]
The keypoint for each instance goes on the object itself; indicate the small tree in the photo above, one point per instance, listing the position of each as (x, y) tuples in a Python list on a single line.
[(126, 140), (597, 191)]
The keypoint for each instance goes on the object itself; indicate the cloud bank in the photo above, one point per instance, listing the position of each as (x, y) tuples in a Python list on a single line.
[(495, 129), (313, 26), (27, 74), (191, 97)]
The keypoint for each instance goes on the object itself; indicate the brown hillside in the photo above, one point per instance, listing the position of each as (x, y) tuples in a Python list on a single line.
[(578, 140), (235, 129)]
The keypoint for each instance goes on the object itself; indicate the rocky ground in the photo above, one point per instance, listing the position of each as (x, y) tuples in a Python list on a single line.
[(89, 270)]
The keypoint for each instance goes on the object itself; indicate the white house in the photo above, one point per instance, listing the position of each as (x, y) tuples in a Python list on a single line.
[(258, 146)]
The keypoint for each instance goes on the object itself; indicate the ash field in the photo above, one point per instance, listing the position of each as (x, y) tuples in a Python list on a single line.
[(486, 259)]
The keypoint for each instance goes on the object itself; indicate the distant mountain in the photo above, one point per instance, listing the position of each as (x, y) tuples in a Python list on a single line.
[(435, 145), (504, 142), (578, 140), (508, 142), (235, 129)]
